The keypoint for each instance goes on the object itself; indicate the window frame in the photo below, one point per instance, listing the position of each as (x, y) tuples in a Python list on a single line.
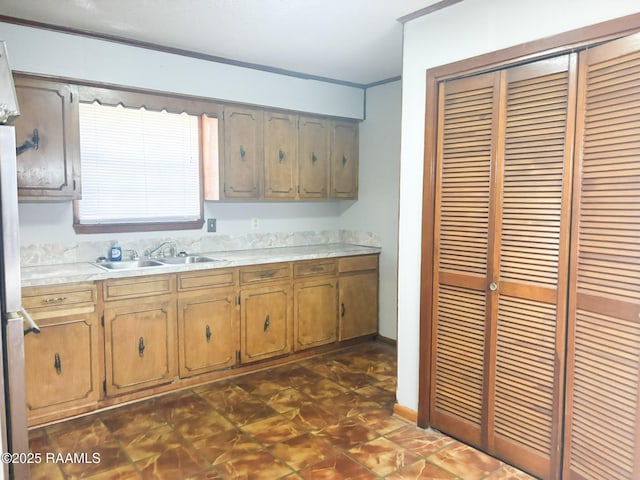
[(157, 102)]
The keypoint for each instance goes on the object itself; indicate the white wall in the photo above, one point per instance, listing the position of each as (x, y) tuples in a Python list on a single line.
[(377, 207), (463, 30), (52, 53)]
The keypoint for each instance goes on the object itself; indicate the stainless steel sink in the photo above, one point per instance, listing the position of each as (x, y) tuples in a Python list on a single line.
[(129, 265), (183, 260)]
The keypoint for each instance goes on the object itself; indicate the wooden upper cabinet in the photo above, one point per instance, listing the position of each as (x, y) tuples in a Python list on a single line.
[(48, 111), (271, 155), (280, 155), (344, 160), (314, 158), (243, 153)]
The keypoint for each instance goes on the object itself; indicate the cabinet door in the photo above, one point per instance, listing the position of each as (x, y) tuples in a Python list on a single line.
[(208, 331), (280, 155), (344, 160), (140, 339), (243, 153), (358, 309), (266, 314), (62, 366), (52, 171), (315, 312), (313, 161), (602, 435)]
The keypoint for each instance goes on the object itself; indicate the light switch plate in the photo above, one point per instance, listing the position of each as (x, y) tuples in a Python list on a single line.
[(211, 224)]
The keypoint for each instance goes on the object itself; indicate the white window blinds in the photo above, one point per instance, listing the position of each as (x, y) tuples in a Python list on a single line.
[(138, 166)]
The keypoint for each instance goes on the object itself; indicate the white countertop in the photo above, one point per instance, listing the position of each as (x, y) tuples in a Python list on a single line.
[(86, 271)]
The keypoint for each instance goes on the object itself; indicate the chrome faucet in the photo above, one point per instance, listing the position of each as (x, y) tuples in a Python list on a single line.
[(159, 251)]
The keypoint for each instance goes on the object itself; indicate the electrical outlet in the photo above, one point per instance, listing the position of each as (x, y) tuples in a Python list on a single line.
[(255, 224), (211, 224)]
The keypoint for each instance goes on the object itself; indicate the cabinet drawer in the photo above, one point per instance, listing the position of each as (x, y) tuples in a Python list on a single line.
[(357, 264), (207, 279), (69, 298), (138, 287), (265, 273), (314, 267)]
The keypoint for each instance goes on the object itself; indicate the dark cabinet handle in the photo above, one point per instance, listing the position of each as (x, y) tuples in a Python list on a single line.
[(314, 159), (267, 322), (280, 156), (207, 333), (34, 142), (344, 160), (243, 153), (141, 346), (342, 310), (57, 364)]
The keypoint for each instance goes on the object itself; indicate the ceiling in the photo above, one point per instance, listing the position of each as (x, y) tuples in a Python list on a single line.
[(357, 41)]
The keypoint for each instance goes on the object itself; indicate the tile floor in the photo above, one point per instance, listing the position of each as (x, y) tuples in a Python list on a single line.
[(328, 417)]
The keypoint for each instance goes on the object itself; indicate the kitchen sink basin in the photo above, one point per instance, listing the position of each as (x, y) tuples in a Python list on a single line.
[(129, 265), (186, 259)]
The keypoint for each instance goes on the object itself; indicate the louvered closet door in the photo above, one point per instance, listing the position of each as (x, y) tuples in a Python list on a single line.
[(602, 438), (528, 296), (467, 122), (502, 218)]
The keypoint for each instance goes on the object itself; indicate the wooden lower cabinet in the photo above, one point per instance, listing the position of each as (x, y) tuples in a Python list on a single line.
[(266, 323), (140, 340), (119, 337), (62, 366), (208, 331), (315, 313), (358, 296)]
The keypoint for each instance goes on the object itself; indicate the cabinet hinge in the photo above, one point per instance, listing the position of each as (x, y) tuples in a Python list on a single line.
[(104, 386), (298, 187), (238, 300), (102, 320), (238, 356), (224, 187), (74, 185)]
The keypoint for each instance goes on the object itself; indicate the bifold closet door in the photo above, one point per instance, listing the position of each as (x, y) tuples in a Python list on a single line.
[(528, 290), (602, 436), (501, 253)]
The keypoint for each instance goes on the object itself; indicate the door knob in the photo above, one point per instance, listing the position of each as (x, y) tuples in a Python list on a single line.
[(493, 286)]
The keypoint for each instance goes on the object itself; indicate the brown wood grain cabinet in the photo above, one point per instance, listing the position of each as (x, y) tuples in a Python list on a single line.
[(208, 321), (52, 171), (315, 316), (358, 296), (274, 155), (280, 155), (122, 339), (140, 333), (314, 157), (63, 363), (266, 307), (243, 156), (344, 160)]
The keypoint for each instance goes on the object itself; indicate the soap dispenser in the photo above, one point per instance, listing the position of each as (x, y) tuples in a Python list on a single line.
[(115, 253)]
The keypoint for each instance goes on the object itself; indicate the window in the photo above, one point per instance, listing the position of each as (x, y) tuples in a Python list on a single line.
[(139, 168)]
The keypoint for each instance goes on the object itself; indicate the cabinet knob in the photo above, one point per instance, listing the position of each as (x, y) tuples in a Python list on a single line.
[(207, 333), (493, 286), (280, 156), (243, 153), (344, 160), (314, 159), (343, 310), (141, 346), (267, 322)]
